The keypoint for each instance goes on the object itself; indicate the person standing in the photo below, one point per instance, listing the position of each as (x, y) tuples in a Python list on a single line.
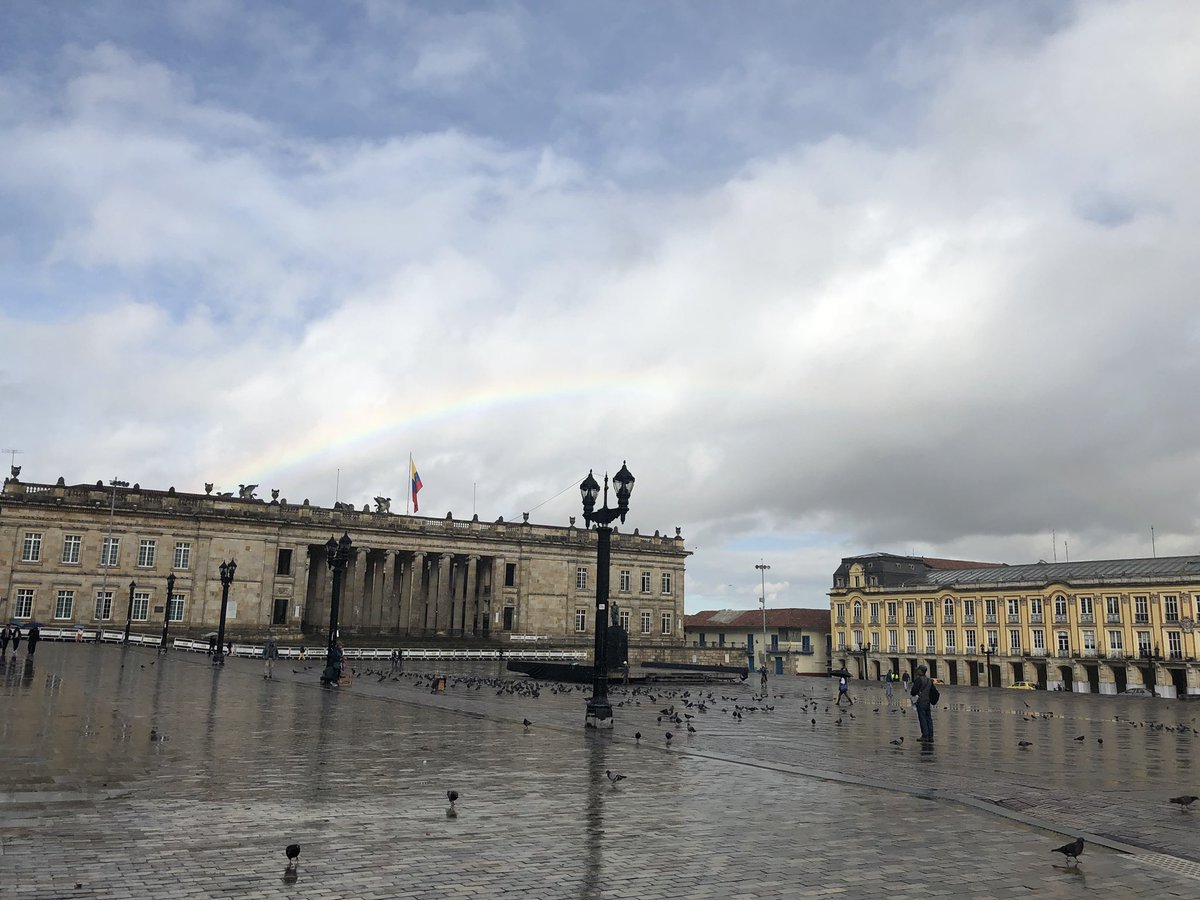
[(16, 638), (762, 681), (5, 635), (920, 692), (270, 654), (887, 686), (35, 635)]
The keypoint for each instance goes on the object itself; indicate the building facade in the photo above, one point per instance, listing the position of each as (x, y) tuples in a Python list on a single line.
[(1099, 626), (797, 640), (97, 554)]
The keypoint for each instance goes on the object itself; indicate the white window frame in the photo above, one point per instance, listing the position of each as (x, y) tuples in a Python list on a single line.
[(104, 604), (1116, 640), (110, 552), (581, 578), (623, 618), (31, 547), (147, 551), (175, 607), (1170, 607), (646, 582), (624, 579), (141, 606), (1039, 638), (666, 582), (72, 548), (949, 636), (24, 604), (970, 640), (64, 604), (581, 616), (665, 621), (647, 622), (183, 555)]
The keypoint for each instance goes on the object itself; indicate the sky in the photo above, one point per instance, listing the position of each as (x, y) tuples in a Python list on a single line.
[(832, 278)]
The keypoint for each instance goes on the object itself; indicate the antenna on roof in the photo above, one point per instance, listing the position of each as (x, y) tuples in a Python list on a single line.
[(1153, 552), (1066, 552), (1054, 543)]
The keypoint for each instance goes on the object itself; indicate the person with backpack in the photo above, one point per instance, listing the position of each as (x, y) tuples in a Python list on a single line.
[(925, 695), (844, 691), (887, 686)]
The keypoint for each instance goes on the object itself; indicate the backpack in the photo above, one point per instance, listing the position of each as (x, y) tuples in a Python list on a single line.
[(934, 696)]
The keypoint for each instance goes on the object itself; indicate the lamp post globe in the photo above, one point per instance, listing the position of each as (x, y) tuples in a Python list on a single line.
[(599, 709)]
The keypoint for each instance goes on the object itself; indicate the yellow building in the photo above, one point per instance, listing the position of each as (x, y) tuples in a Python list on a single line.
[(99, 554), (1098, 626), (796, 640)]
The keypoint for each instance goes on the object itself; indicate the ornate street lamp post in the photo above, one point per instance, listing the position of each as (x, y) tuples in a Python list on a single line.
[(988, 650), (162, 644), (762, 571), (227, 570), (866, 648), (599, 710), (337, 555), (129, 612)]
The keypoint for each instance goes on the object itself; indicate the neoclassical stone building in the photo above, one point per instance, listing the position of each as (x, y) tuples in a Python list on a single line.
[(1096, 626), (90, 553)]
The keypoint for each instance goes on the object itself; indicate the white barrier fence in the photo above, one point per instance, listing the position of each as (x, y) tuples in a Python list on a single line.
[(92, 635)]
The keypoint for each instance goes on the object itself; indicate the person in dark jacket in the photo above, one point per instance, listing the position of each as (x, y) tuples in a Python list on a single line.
[(5, 635), (920, 693), (35, 635)]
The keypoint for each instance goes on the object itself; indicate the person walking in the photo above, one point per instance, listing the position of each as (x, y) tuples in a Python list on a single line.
[(887, 686), (35, 635), (920, 692), (270, 654), (844, 691), (5, 636), (16, 638), (762, 681)]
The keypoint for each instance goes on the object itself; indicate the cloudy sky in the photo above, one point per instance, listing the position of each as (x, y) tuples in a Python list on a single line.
[(833, 277)]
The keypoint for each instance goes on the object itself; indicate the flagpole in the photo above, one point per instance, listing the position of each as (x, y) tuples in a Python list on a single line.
[(408, 478)]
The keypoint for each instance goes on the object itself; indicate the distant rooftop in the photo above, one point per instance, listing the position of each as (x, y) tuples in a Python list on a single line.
[(791, 617)]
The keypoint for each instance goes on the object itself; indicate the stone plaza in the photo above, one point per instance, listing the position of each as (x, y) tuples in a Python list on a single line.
[(130, 774)]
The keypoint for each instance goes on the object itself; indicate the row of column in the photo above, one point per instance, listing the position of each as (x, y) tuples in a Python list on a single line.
[(416, 594)]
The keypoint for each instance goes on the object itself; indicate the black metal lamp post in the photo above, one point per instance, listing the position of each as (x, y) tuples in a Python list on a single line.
[(988, 650), (599, 710), (337, 555), (162, 645), (129, 612), (227, 570), (866, 648)]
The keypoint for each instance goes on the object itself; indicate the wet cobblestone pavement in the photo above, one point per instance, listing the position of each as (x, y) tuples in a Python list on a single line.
[(126, 774)]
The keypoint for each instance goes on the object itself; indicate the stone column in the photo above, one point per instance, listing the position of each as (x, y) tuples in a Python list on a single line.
[(413, 602), (471, 598), (443, 599), (497, 598), (391, 594), (301, 593), (379, 582), (353, 610)]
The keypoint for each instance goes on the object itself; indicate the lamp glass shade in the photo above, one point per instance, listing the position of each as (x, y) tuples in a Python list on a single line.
[(624, 481), (590, 490), (344, 545), (331, 550)]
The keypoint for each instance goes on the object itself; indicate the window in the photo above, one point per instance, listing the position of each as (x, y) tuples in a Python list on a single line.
[(283, 561), (910, 636), (910, 611), (581, 578), (1143, 642), (993, 638), (625, 579), (874, 641), (664, 623), (891, 612), (1014, 641), (1141, 609), (1170, 607), (31, 547), (1064, 643), (183, 554), (1014, 609), (1035, 608), (989, 608), (1085, 609), (581, 620), (1039, 639), (841, 613), (645, 582), (104, 605), (948, 634), (841, 640), (175, 608), (623, 618), (71, 546), (968, 610), (875, 617), (24, 608), (64, 605), (702, 644), (929, 611), (1116, 641), (666, 582), (893, 640), (146, 553), (858, 639), (510, 574), (857, 613), (720, 639), (646, 620), (141, 606), (970, 636), (1089, 642), (948, 610), (929, 643), (110, 551), (1174, 645), (1112, 608)]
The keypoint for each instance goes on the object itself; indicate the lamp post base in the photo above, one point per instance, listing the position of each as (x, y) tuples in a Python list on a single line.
[(599, 715)]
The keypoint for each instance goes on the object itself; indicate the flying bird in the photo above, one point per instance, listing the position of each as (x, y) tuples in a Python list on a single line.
[(1184, 801), (1070, 851), (614, 777), (293, 854)]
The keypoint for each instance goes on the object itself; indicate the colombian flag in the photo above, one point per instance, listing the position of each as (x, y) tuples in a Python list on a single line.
[(416, 482)]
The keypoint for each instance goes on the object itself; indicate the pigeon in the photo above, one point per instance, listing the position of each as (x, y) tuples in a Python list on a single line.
[(897, 742), (1024, 745), (526, 723), (1071, 851), (293, 854), (452, 796), (1080, 738), (637, 737), (1184, 801), (669, 736), (691, 730), (614, 777)]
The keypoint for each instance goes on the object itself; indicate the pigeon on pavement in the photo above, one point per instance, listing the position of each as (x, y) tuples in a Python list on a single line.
[(1070, 851), (1184, 801), (614, 777), (293, 854)]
